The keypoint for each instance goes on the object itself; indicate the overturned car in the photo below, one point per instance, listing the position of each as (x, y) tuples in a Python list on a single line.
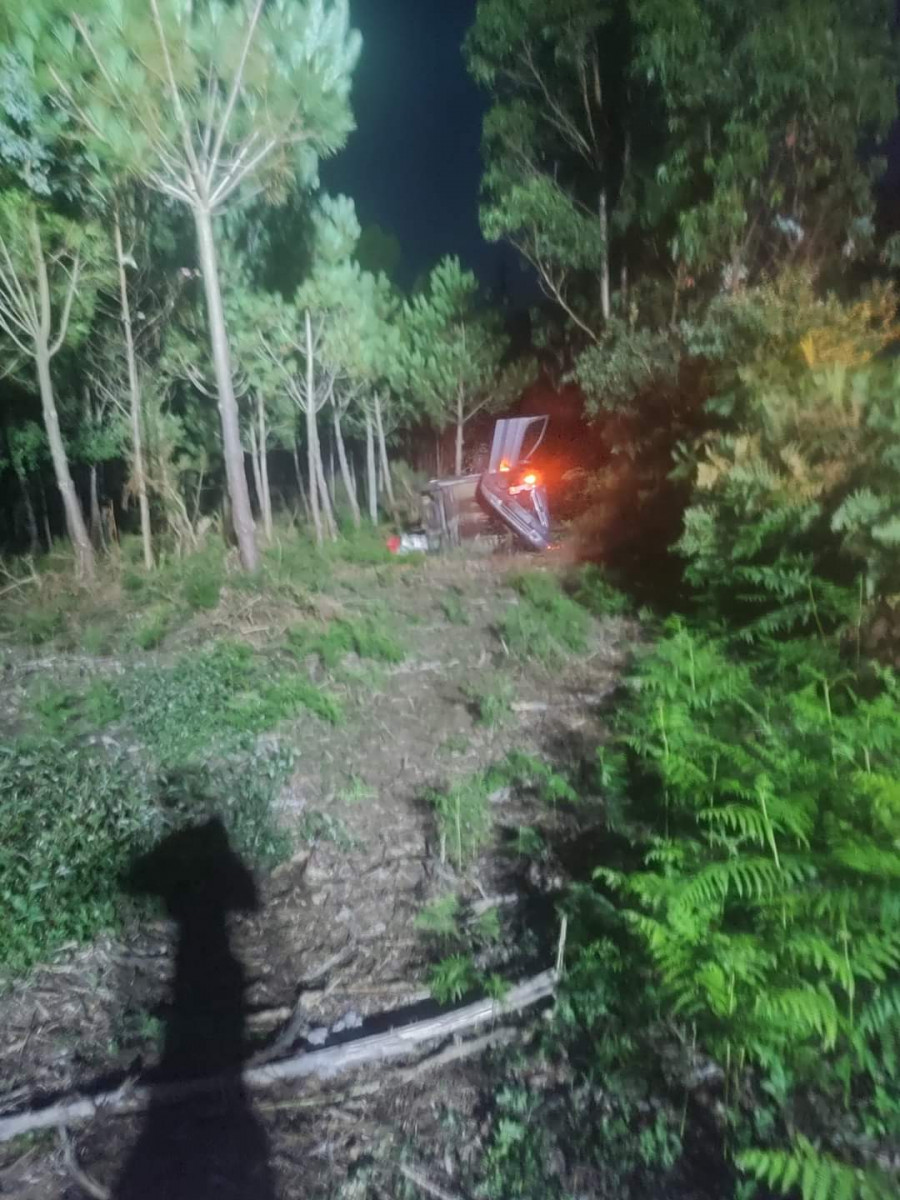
[(508, 498)]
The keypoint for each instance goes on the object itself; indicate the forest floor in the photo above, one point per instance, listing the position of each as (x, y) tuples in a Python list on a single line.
[(336, 935)]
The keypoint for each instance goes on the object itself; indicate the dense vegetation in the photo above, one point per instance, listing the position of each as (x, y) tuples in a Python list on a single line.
[(695, 189)]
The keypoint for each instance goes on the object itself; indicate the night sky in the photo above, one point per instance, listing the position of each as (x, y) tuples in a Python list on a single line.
[(413, 166)]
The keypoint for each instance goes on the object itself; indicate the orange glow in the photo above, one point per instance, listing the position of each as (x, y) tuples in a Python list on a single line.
[(531, 480), (504, 466)]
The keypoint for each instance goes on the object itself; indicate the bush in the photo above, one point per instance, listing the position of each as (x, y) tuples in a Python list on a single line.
[(590, 587), (765, 807), (60, 862)]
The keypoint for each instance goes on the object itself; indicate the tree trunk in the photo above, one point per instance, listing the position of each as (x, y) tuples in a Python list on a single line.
[(84, 551), (371, 481), (349, 486), (299, 475), (30, 518), (328, 520), (437, 454), (45, 515), (96, 525), (254, 463), (623, 286), (134, 393), (458, 462), (228, 410), (266, 496), (312, 440), (604, 262), (382, 450)]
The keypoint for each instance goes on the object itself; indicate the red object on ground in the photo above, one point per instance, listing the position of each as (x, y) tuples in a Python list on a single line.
[(393, 544)]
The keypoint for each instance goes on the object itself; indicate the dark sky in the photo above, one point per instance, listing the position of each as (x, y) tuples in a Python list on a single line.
[(413, 166)]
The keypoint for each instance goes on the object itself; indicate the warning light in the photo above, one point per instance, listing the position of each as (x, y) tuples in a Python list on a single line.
[(504, 466), (531, 480)]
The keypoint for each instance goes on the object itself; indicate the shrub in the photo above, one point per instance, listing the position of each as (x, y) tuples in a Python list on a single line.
[(153, 627), (590, 587), (60, 862)]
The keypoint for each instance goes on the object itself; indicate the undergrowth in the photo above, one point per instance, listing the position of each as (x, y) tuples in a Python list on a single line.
[(545, 624)]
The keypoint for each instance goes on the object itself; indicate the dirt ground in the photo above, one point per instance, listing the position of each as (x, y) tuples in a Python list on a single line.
[(331, 940)]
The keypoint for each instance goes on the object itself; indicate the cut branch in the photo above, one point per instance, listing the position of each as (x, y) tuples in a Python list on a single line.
[(322, 1064)]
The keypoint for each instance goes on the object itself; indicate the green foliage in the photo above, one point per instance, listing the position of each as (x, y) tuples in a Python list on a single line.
[(37, 625), (528, 774), (453, 978), (590, 587), (315, 826), (453, 607), (546, 624), (765, 810), (60, 862), (214, 698), (440, 918), (463, 819), (153, 626), (491, 701), (202, 588), (817, 1176), (366, 637)]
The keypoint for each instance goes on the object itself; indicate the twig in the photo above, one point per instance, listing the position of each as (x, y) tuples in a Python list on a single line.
[(576, 700), (81, 1177), (424, 1184), (452, 1054), (322, 1064)]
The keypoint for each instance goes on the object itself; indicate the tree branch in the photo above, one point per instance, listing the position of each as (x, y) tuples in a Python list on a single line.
[(67, 306), (233, 94)]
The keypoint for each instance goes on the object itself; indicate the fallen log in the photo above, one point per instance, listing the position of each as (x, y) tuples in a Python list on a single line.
[(322, 1064)]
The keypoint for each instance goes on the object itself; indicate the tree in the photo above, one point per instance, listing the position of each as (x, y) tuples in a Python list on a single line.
[(27, 445), (199, 101), (558, 141), (454, 350), (774, 172), (48, 280)]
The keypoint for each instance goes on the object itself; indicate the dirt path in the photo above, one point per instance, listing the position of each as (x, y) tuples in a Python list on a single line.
[(333, 940)]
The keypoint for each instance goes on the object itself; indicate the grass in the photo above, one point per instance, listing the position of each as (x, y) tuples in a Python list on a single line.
[(208, 699), (546, 624), (453, 608), (367, 637), (590, 587), (463, 819), (491, 702)]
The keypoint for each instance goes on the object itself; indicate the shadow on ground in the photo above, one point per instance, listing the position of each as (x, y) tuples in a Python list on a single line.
[(211, 1147)]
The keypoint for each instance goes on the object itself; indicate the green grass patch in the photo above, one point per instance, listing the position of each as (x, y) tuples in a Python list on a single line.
[(73, 818), (590, 587), (211, 698), (546, 624), (367, 637), (463, 819), (453, 608)]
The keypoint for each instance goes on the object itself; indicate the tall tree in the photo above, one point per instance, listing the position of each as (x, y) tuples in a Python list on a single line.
[(48, 281), (202, 100), (453, 356)]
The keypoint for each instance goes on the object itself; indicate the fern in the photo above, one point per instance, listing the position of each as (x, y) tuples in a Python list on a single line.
[(817, 1176)]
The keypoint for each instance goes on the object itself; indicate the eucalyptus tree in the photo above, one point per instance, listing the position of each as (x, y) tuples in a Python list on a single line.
[(50, 269), (453, 352), (204, 102)]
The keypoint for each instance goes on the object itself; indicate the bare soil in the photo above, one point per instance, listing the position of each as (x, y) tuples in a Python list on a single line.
[(332, 939)]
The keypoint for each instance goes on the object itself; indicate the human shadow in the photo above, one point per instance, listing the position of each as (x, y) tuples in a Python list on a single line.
[(209, 1146)]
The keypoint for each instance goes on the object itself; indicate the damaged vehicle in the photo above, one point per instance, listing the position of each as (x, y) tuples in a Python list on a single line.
[(509, 498)]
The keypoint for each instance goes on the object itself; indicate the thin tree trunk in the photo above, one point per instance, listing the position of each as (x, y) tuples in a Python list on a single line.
[(437, 454), (228, 410), (328, 520), (45, 515), (30, 518), (96, 520), (371, 481), (312, 440), (604, 262), (300, 486), (459, 433), (349, 485), (382, 450), (266, 496), (623, 286), (84, 551), (134, 392), (332, 483), (254, 463)]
